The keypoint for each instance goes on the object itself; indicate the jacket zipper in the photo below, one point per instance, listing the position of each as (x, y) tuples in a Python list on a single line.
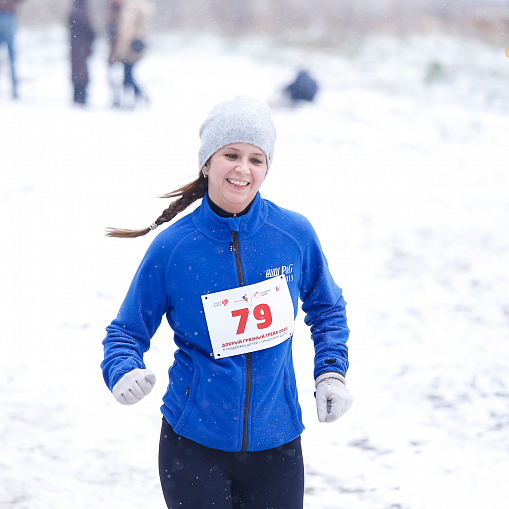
[(234, 246)]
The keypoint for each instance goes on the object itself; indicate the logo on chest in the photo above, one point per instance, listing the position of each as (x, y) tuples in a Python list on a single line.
[(286, 270)]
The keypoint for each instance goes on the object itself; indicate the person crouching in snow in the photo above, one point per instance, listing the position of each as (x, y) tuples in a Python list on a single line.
[(301, 90), (228, 277)]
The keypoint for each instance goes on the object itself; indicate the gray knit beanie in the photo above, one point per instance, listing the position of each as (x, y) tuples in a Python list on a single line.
[(243, 120)]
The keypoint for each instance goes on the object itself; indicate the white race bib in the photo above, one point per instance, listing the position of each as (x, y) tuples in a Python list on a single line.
[(249, 318)]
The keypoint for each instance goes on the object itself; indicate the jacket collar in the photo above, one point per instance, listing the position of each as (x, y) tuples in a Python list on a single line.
[(220, 228)]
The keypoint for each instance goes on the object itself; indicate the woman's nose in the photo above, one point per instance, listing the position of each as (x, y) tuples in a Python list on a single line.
[(242, 167)]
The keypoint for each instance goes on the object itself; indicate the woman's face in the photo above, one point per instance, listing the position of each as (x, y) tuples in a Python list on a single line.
[(235, 174)]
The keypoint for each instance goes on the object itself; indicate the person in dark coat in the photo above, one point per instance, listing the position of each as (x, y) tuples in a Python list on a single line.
[(8, 10), (304, 88), (82, 36)]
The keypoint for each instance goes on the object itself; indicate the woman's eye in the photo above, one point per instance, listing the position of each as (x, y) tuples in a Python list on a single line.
[(231, 156), (256, 161)]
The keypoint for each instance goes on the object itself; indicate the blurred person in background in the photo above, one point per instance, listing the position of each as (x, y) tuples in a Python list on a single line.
[(302, 89), (128, 45), (82, 36), (115, 68), (8, 20)]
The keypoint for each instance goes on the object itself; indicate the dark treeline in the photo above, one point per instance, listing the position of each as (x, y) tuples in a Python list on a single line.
[(321, 21)]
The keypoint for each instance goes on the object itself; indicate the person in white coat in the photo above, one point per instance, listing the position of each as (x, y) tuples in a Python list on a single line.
[(128, 25)]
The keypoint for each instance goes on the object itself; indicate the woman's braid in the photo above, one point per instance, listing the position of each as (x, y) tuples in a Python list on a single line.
[(187, 194)]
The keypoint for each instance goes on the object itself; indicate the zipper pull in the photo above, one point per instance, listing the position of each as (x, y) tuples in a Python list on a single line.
[(187, 390), (232, 226)]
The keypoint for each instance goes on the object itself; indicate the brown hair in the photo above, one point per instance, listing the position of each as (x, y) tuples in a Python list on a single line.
[(188, 195)]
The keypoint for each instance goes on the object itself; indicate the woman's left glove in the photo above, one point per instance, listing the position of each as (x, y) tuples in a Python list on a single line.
[(333, 399), (134, 386)]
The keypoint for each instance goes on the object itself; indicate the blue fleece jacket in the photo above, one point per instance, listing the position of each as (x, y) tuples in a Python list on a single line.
[(248, 401)]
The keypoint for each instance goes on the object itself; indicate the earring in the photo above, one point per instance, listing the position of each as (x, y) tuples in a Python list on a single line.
[(205, 175)]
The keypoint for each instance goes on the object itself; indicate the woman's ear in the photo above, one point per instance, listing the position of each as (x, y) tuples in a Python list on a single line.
[(206, 167)]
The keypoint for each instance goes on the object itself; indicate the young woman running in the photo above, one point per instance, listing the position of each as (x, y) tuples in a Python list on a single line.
[(228, 277)]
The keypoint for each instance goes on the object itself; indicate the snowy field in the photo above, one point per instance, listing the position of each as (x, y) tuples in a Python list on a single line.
[(402, 167)]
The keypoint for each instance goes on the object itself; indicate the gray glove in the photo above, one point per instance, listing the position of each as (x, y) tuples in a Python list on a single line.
[(134, 386), (333, 399)]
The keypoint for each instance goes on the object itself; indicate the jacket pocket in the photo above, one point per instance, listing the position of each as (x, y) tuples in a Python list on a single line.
[(290, 387), (190, 394)]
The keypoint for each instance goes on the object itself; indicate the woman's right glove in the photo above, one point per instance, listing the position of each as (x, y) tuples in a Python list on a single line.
[(333, 399), (134, 386)]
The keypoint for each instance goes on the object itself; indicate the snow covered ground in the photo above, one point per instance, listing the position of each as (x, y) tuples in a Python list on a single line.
[(402, 167)]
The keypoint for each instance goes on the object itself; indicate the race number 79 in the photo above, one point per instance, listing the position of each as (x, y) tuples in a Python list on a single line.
[(261, 313)]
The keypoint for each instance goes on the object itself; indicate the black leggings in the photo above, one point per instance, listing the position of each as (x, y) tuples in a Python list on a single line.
[(129, 80), (194, 476)]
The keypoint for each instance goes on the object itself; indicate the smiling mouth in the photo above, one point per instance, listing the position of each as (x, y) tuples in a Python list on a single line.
[(238, 183)]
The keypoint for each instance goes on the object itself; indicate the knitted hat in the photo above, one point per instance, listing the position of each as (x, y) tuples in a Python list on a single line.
[(243, 120)]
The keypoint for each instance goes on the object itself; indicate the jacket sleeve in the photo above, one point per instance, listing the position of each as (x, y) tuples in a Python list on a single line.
[(128, 337), (323, 303)]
